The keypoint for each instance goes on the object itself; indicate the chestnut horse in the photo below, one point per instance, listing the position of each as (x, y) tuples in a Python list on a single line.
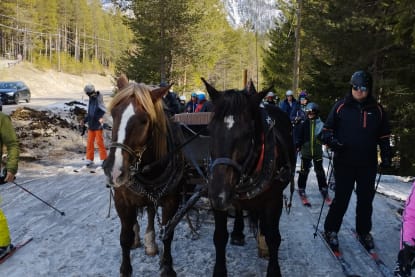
[(143, 168), (252, 156)]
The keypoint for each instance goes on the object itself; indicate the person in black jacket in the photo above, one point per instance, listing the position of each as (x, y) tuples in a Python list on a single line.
[(307, 141), (354, 128)]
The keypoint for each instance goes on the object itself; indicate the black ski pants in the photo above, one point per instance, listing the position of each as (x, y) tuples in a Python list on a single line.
[(346, 177), (305, 170)]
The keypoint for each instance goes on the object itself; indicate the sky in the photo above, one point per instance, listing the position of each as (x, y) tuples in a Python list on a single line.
[(85, 241)]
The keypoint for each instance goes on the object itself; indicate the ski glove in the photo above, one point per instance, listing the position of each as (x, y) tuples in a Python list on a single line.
[(336, 145), (327, 137)]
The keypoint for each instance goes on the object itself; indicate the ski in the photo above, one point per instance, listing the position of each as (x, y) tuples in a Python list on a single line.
[(337, 254), (82, 168), (96, 169), (14, 249), (383, 268), (328, 200), (304, 200)]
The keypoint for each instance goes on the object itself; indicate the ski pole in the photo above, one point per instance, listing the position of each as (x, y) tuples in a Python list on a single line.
[(319, 217), (37, 197), (380, 175)]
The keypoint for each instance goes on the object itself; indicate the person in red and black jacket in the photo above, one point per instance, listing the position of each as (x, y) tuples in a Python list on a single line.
[(355, 126)]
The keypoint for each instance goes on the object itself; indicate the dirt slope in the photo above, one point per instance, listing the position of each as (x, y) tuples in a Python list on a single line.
[(50, 83)]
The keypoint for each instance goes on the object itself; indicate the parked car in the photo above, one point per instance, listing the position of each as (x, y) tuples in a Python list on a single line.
[(14, 92)]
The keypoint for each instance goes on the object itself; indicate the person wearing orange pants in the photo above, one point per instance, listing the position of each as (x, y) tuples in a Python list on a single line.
[(98, 137), (94, 119)]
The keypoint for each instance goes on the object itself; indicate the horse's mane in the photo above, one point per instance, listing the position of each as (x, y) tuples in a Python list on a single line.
[(141, 94)]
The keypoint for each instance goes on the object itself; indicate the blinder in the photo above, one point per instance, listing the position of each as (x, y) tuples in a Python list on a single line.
[(137, 155)]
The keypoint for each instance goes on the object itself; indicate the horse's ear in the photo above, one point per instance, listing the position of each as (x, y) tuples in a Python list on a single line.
[(158, 93), (122, 82), (259, 96), (213, 93), (250, 88)]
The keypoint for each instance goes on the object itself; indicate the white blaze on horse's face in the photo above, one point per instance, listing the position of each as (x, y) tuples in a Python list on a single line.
[(229, 121), (118, 158)]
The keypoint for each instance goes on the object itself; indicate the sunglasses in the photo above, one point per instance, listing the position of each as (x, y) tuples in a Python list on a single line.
[(361, 88)]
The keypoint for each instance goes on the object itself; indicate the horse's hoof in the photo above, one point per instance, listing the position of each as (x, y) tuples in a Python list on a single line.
[(167, 272), (238, 241), (152, 250), (136, 244), (150, 244)]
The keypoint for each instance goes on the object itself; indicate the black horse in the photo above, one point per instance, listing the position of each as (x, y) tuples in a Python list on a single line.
[(252, 155)]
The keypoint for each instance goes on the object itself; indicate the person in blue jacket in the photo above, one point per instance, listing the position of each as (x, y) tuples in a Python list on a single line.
[(192, 104), (355, 126), (298, 114), (287, 104)]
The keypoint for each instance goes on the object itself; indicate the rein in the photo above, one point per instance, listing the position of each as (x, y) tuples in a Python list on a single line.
[(228, 161)]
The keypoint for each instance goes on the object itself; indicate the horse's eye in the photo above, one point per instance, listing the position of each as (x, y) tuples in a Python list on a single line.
[(143, 120)]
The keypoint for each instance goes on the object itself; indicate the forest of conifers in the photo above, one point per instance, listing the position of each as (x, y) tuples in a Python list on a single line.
[(181, 41)]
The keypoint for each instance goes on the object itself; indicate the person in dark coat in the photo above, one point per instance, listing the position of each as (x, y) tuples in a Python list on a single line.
[(170, 101), (308, 142), (355, 126), (298, 114), (269, 98), (287, 104), (192, 104), (95, 120)]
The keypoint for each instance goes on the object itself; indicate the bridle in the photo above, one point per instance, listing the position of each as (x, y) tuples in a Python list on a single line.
[(136, 154), (241, 169)]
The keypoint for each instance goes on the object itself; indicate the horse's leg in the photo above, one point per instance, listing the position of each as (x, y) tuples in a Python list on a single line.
[(237, 235), (269, 226), (166, 260), (137, 240), (220, 239), (150, 244), (128, 217)]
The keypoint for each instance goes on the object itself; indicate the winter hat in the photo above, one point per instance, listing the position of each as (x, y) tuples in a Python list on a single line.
[(362, 79)]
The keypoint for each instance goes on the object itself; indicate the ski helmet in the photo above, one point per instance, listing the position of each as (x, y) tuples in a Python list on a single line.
[(303, 95), (362, 79), (312, 107), (289, 93), (270, 94), (89, 89)]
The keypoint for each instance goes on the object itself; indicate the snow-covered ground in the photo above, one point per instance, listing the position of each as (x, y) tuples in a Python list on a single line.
[(85, 241)]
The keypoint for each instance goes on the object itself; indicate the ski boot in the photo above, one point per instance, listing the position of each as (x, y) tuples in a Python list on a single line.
[(332, 240), (5, 250), (406, 258), (367, 241)]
